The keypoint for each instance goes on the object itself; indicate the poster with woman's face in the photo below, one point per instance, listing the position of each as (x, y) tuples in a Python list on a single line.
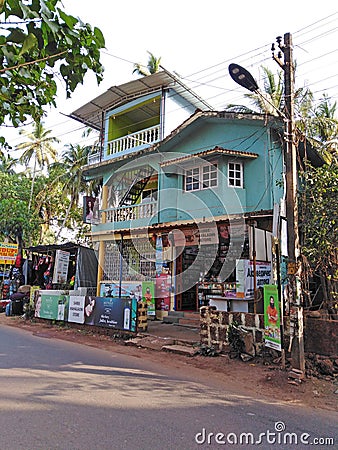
[(90, 210)]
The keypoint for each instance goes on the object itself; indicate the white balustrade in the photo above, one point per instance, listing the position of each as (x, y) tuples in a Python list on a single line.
[(147, 136), (125, 213)]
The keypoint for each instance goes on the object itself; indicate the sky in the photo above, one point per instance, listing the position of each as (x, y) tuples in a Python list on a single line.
[(198, 40)]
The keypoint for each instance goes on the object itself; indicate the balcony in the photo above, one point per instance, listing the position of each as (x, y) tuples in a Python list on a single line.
[(143, 137), (132, 212)]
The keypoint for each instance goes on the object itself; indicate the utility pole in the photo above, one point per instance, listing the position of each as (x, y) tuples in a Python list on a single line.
[(284, 59)]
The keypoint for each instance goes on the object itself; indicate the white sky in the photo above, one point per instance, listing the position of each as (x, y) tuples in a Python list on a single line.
[(199, 40)]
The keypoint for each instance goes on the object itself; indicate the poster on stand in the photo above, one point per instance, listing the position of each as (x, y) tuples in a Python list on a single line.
[(148, 296), (61, 267), (162, 292), (272, 334)]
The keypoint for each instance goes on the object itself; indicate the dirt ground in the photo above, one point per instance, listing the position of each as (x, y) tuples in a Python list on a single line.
[(265, 381)]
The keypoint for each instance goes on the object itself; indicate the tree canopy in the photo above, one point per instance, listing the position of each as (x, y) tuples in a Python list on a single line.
[(40, 40)]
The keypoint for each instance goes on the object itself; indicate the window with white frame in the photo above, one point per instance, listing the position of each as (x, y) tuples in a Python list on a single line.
[(235, 174), (202, 177)]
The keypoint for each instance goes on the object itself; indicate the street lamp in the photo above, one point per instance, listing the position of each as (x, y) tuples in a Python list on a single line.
[(242, 77)]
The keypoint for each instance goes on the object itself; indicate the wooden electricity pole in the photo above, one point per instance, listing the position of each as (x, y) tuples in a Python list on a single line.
[(285, 61)]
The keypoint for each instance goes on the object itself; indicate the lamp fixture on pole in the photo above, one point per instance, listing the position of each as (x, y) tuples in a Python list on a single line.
[(242, 77)]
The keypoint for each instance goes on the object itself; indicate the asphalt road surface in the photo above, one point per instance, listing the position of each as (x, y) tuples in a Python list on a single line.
[(60, 395)]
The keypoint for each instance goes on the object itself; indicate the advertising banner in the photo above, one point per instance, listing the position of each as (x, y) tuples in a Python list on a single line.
[(245, 277), (162, 292), (8, 253), (159, 256), (148, 296), (119, 313), (53, 307), (129, 289), (61, 267), (272, 334), (76, 309)]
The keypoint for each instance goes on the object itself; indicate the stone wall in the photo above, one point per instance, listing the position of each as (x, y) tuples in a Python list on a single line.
[(320, 335), (214, 326)]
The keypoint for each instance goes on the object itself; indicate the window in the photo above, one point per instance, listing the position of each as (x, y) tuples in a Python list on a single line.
[(203, 177), (235, 174)]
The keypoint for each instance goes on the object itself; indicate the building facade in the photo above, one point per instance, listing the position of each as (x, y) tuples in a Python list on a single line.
[(191, 197)]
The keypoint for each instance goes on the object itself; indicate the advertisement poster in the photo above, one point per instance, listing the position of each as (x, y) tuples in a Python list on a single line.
[(245, 277), (272, 335), (76, 309), (90, 210), (53, 307), (159, 256), (8, 253), (148, 296), (129, 289), (119, 313), (61, 267), (162, 292)]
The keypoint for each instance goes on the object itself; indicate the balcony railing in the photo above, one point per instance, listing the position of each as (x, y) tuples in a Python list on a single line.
[(147, 136), (133, 212)]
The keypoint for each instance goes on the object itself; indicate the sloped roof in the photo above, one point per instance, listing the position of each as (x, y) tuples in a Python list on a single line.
[(91, 113)]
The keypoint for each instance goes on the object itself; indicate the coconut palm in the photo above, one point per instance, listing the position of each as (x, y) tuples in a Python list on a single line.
[(152, 66), (38, 147), (7, 163), (321, 127), (72, 161)]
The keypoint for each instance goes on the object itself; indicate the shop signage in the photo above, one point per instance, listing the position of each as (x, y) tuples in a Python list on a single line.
[(8, 253), (76, 309), (203, 235), (61, 267), (272, 334), (245, 277)]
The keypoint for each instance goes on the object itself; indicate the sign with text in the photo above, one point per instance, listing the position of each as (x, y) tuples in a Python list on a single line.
[(61, 267), (245, 277), (108, 312), (8, 253), (53, 307), (76, 309)]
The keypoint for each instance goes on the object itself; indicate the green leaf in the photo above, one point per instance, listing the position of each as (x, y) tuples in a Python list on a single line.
[(99, 37), (28, 44), (70, 21)]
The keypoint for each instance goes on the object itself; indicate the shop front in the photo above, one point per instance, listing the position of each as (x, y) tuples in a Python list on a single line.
[(184, 268)]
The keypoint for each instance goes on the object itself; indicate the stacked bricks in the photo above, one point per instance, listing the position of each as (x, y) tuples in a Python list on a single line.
[(215, 324), (142, 319)]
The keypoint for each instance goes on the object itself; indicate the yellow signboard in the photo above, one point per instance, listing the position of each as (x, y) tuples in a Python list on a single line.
[(8, 253)]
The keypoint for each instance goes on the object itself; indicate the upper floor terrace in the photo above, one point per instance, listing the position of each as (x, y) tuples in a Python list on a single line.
[(137, 114)]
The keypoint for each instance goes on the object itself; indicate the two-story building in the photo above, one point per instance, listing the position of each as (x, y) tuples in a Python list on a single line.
[(191, 197)]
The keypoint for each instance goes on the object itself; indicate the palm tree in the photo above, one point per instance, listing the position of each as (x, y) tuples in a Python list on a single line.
[(152, 66), (72, 162), (40, 148), (7, 163), (320, 126)]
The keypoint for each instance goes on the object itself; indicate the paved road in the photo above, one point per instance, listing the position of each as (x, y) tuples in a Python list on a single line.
[(60, 395)]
